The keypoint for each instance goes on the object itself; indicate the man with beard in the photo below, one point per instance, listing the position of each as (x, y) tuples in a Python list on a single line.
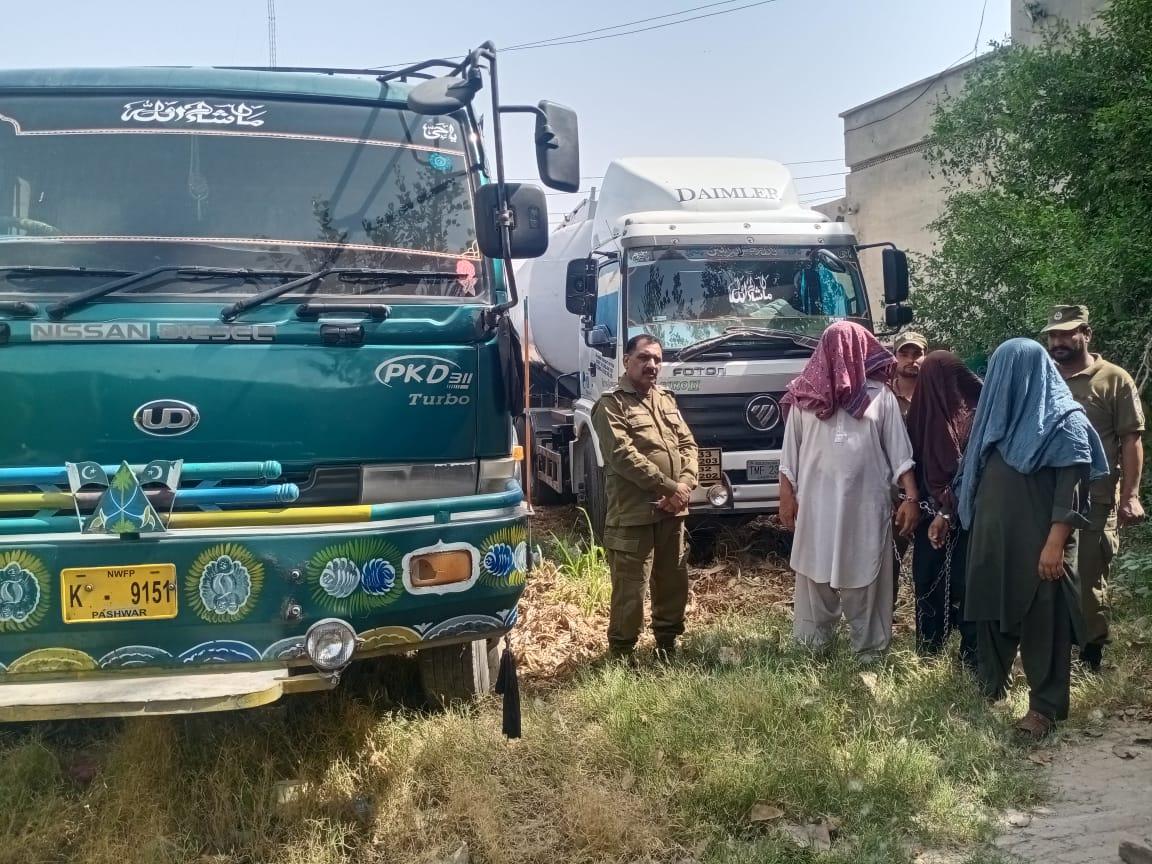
[(909, 349), (650, 470), (1111, 401)]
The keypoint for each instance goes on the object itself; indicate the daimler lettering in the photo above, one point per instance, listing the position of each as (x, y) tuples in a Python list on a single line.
[(715, 193)]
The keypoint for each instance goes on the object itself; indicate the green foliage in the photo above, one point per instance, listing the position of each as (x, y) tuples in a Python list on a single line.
[(1046, 157), (582, 568)]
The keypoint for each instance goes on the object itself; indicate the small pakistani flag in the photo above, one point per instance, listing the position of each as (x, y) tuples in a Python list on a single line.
[(81, 474), (167, 474), (124, 508)]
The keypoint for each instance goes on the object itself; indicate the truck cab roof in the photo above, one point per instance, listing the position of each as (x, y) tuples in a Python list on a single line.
[(668, 196), (335, 85)]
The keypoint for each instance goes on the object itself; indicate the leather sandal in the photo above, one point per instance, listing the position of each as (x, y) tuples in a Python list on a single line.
[(1034, 726)]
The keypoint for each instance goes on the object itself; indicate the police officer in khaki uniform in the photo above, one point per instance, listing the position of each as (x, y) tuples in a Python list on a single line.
[(650, 465), (1112, 403)]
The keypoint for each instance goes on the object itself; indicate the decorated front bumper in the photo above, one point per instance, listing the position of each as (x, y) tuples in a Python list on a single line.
[(425, 572)]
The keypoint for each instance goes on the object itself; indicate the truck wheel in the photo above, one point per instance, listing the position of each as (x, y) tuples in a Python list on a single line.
[(595, 497), (456, 674)]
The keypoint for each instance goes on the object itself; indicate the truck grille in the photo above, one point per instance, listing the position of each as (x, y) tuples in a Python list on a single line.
[(721, 420)]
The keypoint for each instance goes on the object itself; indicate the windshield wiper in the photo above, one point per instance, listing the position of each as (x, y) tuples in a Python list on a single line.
[(59, 310), (349, 274), (772, 333), (733, 333), (31, 270)]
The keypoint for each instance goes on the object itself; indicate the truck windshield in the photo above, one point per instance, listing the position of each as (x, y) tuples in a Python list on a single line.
[(690, 293), (134, 182)]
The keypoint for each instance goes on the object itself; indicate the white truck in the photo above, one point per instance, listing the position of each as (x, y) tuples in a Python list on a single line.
[(718, 259)]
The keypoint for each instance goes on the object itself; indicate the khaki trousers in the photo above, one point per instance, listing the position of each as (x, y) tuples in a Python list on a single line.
[(642, 556)]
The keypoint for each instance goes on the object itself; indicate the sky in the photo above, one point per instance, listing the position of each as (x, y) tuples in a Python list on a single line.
[(765, 81)]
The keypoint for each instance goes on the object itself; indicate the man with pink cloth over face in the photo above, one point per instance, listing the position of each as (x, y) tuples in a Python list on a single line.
[(845, 444)]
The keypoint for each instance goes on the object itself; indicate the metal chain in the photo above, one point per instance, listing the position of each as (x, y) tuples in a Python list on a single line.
[(945, 571)]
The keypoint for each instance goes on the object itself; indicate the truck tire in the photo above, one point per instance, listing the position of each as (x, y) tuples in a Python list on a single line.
[(457, 674), (595, 497)]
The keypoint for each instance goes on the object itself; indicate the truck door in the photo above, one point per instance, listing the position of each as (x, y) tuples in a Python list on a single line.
[(600, 367)]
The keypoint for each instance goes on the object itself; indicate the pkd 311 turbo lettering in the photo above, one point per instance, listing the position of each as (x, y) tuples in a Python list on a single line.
[(430, 379)]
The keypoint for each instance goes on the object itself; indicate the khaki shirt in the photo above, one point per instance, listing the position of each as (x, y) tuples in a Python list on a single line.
[(1111, 401), (648, 450)]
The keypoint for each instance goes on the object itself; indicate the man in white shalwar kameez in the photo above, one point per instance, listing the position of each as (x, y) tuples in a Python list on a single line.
[(845, 444)]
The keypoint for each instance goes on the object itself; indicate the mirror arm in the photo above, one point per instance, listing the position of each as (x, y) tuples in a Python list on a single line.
[(524, 109), (546, 136), (504, 215), (887, 243)]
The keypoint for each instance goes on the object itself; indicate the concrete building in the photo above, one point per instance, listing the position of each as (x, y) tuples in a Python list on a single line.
[(1031, 17), (890, 191)]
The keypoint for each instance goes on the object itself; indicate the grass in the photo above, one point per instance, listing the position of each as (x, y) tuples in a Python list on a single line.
[(655, 765), (582, 571)]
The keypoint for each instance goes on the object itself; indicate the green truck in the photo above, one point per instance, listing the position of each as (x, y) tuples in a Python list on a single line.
[(262, 387)]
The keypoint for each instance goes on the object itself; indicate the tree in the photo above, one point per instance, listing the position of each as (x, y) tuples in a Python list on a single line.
[(1047, 155)]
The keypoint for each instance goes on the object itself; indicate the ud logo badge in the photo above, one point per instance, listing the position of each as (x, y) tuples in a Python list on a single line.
[(166, 417)]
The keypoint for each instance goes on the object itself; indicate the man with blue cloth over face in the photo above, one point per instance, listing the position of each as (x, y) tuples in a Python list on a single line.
[(1023, 493)]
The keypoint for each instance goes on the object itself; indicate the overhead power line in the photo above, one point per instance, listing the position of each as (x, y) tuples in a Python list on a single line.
[(555, 41), (933, 81), (601, 176), (820, 192), (553, 44), (620, 26)]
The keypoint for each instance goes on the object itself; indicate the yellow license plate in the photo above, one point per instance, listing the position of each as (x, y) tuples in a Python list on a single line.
[(709, 471), (133, 592)]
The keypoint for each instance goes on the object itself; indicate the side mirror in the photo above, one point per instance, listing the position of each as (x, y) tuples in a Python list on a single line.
[(895, 275), (580, 287), (443, 95), (558, 147), (529, 232), (600, 338), (897, 316)]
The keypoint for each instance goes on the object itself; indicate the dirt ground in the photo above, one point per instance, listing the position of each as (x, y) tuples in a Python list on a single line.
[(1102, 795)]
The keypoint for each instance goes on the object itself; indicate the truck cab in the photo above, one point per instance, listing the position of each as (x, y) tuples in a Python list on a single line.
[(253, 326), (716, 259)]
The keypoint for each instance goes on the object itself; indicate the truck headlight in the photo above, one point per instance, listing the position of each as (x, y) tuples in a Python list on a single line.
[(330, 644), (718, 495), (495, 473)]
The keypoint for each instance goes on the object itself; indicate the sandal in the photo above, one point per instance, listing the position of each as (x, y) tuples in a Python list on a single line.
[(1034, 726)]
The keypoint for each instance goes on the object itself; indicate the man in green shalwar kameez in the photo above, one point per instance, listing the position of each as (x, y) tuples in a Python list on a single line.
[(1023, 491)]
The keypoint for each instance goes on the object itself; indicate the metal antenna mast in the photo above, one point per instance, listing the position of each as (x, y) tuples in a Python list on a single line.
[(272, 32)]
